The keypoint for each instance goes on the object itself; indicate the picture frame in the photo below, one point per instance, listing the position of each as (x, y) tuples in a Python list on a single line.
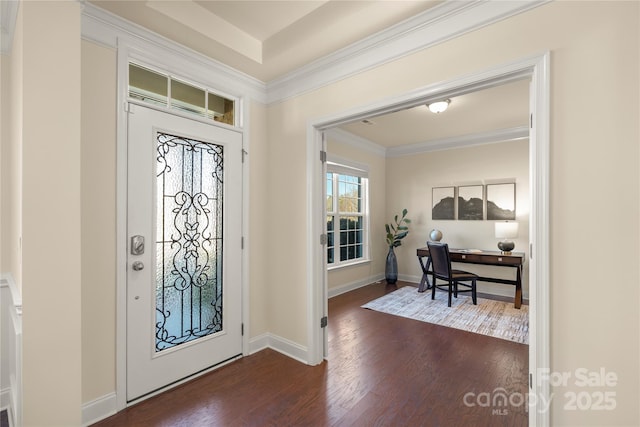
[(501, 201), (443, 203), (471, 202)]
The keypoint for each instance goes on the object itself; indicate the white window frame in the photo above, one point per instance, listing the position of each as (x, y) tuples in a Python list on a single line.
[(337, 166)]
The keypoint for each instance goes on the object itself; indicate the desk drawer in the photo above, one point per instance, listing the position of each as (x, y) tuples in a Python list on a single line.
[(486, 259)]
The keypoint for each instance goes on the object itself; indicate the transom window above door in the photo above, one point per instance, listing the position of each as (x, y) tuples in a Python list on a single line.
[(347, 215), (157, 88)]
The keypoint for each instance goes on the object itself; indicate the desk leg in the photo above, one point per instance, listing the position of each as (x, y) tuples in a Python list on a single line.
[(424, 282), (518, 297)]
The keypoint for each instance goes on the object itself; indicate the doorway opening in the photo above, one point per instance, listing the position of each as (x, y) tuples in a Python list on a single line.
[(536, 69)]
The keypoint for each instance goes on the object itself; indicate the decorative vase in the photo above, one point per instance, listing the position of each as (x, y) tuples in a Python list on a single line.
[(391, 267)]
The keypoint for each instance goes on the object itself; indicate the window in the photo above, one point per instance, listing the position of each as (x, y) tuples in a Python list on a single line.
[(167, 91), (347, 215)]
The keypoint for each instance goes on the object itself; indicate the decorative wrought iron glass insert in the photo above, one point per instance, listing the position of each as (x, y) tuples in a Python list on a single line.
[(189, 240)]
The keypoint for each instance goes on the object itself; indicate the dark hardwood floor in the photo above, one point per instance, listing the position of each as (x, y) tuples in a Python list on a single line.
[(382, 370)]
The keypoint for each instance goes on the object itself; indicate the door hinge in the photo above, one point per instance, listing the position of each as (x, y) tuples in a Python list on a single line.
[(127, 108), (531, 121), (323, 322), (323, 156), (530, 250), (244, 153), (242, 329), (323, 239), (530, 380), (242, 242)]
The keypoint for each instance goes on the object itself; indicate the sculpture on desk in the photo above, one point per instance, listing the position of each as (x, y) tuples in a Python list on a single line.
[(395, 233), (435, 235)]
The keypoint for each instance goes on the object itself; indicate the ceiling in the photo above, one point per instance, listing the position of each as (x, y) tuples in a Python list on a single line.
[(269, 39), (482, 112), (264, 38)]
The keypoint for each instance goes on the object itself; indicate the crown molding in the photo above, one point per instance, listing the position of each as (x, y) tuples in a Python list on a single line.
[(501, 135), (8, 17), (356, 141), (492, 137), (436, 25), (107, 29)]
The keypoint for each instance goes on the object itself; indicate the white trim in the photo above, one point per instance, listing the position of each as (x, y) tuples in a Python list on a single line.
[(316, 253), (348, 287), (436, 25), (99, 409), (8, 18), (107, 29), (128, 48), (11, 344), (279, 344), (539, 232), (121, 227), (353, 263), (6, 279), (356, 141), (537, 67), (502, 135), (246, 232)]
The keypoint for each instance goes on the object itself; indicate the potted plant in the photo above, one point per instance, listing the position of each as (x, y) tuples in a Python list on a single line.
[(396, 231)]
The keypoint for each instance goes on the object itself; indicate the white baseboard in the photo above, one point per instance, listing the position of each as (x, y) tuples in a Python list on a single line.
[(409, 278), (341, 289), (99, 409), (279, 344)]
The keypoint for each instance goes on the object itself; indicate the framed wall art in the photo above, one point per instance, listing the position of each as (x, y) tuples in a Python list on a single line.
[(443, 203), (501, 201), (470, 202)]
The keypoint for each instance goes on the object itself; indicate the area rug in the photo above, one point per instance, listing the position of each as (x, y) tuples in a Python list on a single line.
[(494, 318)]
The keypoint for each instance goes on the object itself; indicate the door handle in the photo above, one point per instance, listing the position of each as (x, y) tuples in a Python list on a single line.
[(137, 266), (137, 245)]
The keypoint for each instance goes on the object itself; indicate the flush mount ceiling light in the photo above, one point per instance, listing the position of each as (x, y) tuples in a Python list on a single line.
[(439, 106)]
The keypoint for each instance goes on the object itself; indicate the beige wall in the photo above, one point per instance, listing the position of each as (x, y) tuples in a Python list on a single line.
[(405, 182), (260, 199), (51, 256), (345, 276), (409, 183), (98, 221), (594, 52)]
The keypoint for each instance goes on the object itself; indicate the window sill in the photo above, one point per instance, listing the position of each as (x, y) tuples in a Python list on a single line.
[(350, 264)]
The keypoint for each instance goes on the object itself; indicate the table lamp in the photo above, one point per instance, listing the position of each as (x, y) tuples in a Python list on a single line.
[(505, 231)]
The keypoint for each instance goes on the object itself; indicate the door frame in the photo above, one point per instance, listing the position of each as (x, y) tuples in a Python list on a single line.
[(130, 49), (537, 68)]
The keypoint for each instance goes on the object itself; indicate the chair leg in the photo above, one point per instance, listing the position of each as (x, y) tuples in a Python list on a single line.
[(450, 285), (473, 292), (433, 288)]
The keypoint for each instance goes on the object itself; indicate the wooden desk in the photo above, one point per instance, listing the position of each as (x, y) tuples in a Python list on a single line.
[(514, 260)]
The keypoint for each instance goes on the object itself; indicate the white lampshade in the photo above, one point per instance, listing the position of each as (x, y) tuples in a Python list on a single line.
[(506, 230), (439, 106)]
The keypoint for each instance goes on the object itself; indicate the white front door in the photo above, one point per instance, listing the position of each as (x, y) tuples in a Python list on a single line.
[(184, 248)]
